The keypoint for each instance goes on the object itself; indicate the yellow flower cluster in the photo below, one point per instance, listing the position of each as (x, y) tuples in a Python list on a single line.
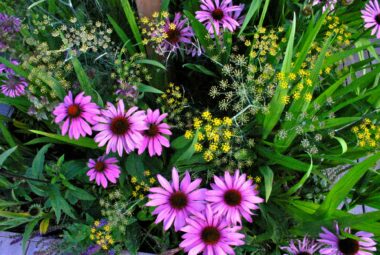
[(152, 28), (140, 188), (368, 134), (302, 81), (335, 27), (214, 135), (265, 44), (101, 234), (173, 100)]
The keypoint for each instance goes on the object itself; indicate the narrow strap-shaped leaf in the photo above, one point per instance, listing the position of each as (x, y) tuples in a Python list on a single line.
[(129, 14), (255, 6), (301, 182), (81, 142), (268, 180), (123, 36)]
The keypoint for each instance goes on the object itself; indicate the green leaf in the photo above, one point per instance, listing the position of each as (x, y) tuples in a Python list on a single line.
[(342, 143), (264, 12), (28, 232), (200, 31), (185, 153), (299, 184), (58, 203), (17, 69), (123, 36), (151, 62), (147, 89), (268, 180), (200, 69), (276, 106), (81, 194), (38, 162), (165, 5), (4, 156), (130, 15), (255, 6), (85, 81), (81, 142), (134, 165), (341, 189)]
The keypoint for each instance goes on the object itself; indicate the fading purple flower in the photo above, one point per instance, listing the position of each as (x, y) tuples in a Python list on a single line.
[(9, 24), (327, 4), (216, 15), (371, 16), (103, 170), (92, 249), (12, 85), (126, 90), (175, 33), (340, 245), (301, 247)]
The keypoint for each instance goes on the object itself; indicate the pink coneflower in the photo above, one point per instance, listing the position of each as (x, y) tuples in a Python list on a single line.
[(210, 234), (103, 170), (76, 115), (216, 15), (371, 16), (327, 4), (120, 129), (301, 247), (233, 197), (340, 245), (153, 136), (176, 32), (177, 200)]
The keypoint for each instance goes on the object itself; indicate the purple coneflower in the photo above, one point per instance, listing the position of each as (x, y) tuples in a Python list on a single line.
[(6, 70), (216, 15), (212, 235), (302, 247), (176, 32), (175, 201), (371, 16), (103, 169), (340, 245), (9, 24), (120, 129), (76, 114), (233, 197), (153, 136)]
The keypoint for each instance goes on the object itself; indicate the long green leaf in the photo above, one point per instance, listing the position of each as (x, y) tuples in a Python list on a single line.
[(38, 162), (81, 142), (4, 156), (301, 182), (268, 180), (130, 15), (123, 36), (341, 189), (28, 232), (255, 6), (151, 62)]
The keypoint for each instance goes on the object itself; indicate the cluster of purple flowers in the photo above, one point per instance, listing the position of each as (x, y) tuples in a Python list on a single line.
[(119, 129), (334, 244), (11, 85), (214, 14), (9, 27), (210, 219)]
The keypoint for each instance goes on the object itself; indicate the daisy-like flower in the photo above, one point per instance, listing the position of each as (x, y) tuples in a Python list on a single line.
[(175, 201), (103, 170), (121, 130), (206, 232), (219, 15), (301, 247), (371, 16), (175, 33), (12, 86), (153, 136), (340, 245), (233, 197), (327, 4), (76, 114)]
